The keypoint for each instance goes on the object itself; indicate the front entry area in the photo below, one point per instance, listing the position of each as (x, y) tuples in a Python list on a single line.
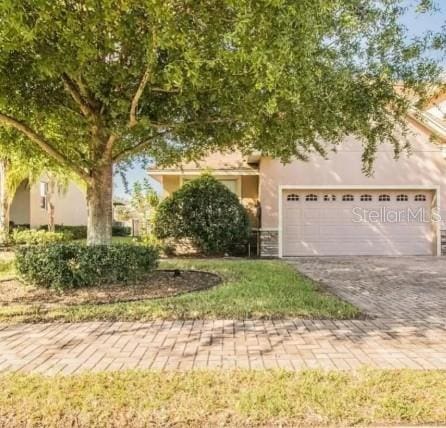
[(331, 222)]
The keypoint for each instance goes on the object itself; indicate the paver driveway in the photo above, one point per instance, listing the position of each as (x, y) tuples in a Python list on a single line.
[(406, 288)]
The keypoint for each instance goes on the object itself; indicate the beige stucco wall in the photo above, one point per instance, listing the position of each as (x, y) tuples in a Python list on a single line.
[(250, 196), (20, 205), (250, 185), (425, 166), (170, 184), (70, 206)]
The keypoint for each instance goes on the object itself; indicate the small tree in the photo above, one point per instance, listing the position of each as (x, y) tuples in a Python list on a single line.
[(123, 213), (57, 183), (207, 213), (144, 201)]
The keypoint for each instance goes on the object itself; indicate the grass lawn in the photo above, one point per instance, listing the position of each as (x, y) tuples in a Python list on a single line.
[(225, 398), (250, 289), (7, 269)]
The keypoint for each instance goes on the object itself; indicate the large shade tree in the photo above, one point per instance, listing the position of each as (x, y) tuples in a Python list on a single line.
[(95, 83)]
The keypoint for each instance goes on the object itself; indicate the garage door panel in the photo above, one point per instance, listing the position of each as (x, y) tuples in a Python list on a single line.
[(327, 227), (351, 248)]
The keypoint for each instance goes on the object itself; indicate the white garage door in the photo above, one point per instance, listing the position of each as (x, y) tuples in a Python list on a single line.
[(357, 222)]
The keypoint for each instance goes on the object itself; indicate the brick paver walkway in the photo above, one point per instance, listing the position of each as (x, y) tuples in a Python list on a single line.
[(73, 348)]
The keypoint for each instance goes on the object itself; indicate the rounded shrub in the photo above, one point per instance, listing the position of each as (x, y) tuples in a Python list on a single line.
[(205, 212), (71, 265)]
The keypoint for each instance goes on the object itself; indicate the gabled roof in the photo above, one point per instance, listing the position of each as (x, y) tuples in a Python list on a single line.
[(432, 123)]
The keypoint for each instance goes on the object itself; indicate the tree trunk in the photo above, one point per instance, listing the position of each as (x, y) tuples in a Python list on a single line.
[(4, 203), (51, 207), (99, 202)]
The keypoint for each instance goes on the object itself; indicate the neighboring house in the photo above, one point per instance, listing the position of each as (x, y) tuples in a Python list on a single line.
[(30, 205), (329, 207), (124, 215)]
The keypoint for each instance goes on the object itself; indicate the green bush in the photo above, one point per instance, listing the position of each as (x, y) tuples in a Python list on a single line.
[(162, 245), (70, 265), (12, 226), (78, 232), (151, 240), (121, 231), (207, 213), (36, 237)]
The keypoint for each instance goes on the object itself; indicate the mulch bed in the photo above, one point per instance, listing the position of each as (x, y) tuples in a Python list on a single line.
[(159, 284)]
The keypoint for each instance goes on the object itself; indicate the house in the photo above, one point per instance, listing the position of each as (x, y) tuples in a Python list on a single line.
[(30, 205), (328, 207)]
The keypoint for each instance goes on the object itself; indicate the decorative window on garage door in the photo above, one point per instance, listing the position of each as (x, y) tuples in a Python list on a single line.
[(348, 198), (292, 197), (311, 197), (366, 198), (328, 198), (420, 198), (402, 198), (384, 198)]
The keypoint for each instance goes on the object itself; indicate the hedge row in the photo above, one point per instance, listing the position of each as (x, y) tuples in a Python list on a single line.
[(71, 265), (80, 232), (36, 237)]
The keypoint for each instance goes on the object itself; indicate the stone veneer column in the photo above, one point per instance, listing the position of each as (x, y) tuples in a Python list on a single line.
[(269, 243)]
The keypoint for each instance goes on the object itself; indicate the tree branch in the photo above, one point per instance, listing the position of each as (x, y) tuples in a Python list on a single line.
[(131, 150), (192, 122), (109, 146), (86, 109), (163, 90), (134, 105), (43, 144)]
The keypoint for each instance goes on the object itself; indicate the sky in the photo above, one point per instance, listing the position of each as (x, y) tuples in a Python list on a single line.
[(417, 24)]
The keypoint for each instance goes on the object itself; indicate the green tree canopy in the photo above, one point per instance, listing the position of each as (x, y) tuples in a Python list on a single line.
[(93, 83)]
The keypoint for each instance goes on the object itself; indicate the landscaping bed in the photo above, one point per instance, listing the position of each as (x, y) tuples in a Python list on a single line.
[(161, 283), (250, 289)]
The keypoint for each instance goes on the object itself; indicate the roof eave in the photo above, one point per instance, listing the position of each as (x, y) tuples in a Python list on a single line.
[(431, 125), (159, 172)]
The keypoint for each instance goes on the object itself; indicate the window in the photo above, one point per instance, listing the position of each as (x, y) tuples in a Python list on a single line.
[(329, 198), (420, 198), (43, 195), (384, 198), (292, 197), (366, 198), (311, 197), (402, 198), (230, 184), (346, 198)]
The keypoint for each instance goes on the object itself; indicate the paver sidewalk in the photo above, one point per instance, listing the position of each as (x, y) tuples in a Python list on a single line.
[(73, 348)]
